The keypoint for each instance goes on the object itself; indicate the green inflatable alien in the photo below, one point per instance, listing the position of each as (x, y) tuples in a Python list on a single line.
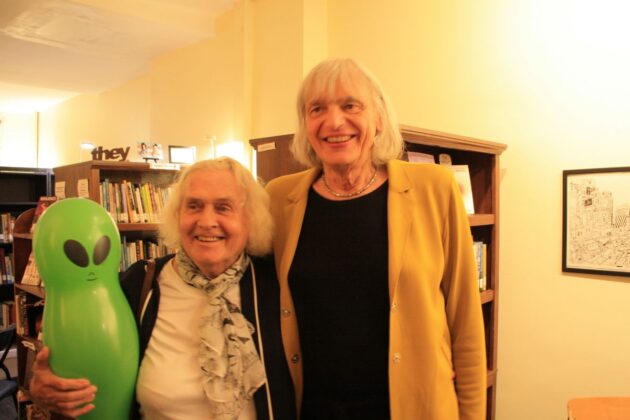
[(88, 324)]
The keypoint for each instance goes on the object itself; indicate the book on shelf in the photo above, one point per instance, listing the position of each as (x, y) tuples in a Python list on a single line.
[(418, 157), (168, 166), (21, 326), (8, 262), (6, 267), (43, 203), (142, 210), (480, 252), (462, 176), (3, 268), (31, 273), (8, 313), (129, 202), (28, 314), (134, 250), (7, 221)]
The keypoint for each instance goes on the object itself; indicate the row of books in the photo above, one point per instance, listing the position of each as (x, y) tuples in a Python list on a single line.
[(480, 251), (7, 222), (6, 267), (130, 202), (132, 251)]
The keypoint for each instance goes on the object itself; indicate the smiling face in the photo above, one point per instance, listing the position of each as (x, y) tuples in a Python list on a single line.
[(341, 124), (212, 221), (76, 244)]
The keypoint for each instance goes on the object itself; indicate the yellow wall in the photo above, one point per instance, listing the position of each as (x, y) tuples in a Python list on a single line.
[(116, 118), (187, 97), (549, 78), (277, 65), (199, 91), (18, 128)]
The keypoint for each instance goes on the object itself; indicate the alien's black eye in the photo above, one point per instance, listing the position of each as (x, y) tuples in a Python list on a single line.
[(76, 253), (101, 250)]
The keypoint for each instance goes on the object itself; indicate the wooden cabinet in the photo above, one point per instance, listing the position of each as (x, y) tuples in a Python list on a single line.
[(28, 301), (273, 157), (20, 188), (94, 172), (482, 158)]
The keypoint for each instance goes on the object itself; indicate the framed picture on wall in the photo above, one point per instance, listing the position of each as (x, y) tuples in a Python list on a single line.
[(596, 221), (182, 154)]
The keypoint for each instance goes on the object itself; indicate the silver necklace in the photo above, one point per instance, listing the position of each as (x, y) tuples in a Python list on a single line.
[(352, 194)]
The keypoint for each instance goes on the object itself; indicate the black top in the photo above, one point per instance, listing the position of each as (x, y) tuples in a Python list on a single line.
[(339, 284), (278, 377)]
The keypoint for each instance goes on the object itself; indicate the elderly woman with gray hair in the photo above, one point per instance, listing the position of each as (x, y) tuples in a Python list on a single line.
[(381, 316), (210, 345)]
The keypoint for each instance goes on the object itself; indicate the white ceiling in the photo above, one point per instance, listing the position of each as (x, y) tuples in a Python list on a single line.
[(51, 50)]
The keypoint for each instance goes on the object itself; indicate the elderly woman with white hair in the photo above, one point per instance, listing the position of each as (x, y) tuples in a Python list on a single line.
[(209, 327)]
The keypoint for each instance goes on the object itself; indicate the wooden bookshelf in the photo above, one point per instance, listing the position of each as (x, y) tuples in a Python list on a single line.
[(482, 158), (20, 188), (273, 157), (96, 170), (26, 344)]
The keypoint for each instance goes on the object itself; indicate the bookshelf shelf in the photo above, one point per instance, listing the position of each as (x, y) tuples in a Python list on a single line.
[(19, 203), (482, 157), (491, 379), (481, 219), (136, 227), (38, 291), (22, 235), (487, 296)]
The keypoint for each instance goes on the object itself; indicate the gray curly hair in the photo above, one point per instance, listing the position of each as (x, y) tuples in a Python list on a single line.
[(256, 206)]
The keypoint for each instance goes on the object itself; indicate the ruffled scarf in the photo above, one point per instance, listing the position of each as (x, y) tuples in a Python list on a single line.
[(231, 367)]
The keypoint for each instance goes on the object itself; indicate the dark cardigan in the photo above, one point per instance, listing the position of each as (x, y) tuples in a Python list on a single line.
[(278, 378)]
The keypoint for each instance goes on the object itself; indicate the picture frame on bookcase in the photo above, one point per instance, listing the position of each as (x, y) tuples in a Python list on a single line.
[(462, 176), (182, 154), (596, 221)]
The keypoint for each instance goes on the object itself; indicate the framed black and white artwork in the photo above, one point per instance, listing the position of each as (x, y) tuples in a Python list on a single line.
[(596, 221)]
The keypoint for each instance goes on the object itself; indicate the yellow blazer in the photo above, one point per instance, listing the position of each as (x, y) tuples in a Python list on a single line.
[(437, 363)]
